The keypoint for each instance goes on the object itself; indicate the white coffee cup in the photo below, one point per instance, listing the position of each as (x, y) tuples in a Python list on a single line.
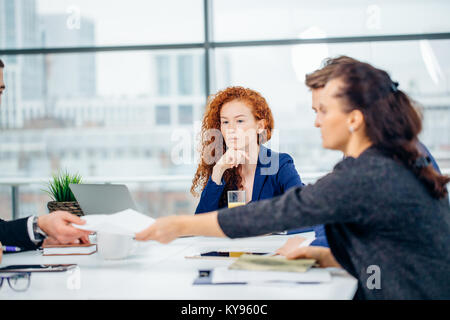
[(113, 246)]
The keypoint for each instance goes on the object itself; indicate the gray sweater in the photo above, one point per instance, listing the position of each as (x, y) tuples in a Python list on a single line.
[(376, 213)]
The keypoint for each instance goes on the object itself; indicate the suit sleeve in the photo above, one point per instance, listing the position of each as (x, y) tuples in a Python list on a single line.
[(287, 175), (330, 200), (424, 150), (15, 233), (321, 238), (209, 199)]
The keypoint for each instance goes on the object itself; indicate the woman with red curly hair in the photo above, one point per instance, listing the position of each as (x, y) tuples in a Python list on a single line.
[(237, 122)]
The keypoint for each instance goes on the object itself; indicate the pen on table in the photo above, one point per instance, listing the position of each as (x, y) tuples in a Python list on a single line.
[(11, 249)]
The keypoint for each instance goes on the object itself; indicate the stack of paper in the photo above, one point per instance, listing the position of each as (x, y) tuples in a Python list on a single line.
[(271, 263), (126, 222), (248, 269), (225, 275)]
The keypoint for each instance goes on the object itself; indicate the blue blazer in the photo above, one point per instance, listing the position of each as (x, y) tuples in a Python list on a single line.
[(424, 150), (271, 180)]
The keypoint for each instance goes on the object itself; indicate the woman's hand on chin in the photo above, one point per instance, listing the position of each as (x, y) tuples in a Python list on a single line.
[(230, 159)]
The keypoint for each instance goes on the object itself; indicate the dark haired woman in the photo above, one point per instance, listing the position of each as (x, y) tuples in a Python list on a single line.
[(384, 207)]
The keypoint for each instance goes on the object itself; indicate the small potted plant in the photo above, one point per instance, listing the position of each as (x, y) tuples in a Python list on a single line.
[(63, 198)]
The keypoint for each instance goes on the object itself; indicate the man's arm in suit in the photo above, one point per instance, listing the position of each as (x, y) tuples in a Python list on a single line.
[(15, 233)]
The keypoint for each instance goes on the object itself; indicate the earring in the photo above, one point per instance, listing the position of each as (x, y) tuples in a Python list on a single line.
[(351, 129)]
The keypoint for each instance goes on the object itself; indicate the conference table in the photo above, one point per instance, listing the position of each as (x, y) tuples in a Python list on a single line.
[(157, 271)]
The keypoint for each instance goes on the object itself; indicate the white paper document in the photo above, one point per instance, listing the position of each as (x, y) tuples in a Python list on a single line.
[(126, 222), (313, 275), (307, 242)]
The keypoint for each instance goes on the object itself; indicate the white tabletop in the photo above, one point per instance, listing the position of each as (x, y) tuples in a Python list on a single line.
[(158, 271)]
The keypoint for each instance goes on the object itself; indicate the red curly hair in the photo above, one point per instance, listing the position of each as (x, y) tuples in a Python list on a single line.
[(211, 120)]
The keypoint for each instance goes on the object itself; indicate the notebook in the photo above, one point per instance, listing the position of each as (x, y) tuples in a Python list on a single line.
[(70, 249)]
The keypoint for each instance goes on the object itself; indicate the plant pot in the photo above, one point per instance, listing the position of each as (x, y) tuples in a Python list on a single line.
[(70, 206)]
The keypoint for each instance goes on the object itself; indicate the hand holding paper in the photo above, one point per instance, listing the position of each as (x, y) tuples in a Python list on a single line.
[(323, 256), (293, 244), (126, 222)]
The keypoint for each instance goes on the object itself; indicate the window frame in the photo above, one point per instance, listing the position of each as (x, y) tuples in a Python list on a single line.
[(208, 45)]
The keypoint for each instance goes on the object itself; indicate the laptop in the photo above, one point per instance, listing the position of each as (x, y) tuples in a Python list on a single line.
[(103, 198)]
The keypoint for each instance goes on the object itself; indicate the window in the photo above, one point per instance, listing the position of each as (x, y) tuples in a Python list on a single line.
[(130, 74), (99, 23), (408, 62), (162, 115), (185, 114), (185, 74), (291, 19), (163, 74)]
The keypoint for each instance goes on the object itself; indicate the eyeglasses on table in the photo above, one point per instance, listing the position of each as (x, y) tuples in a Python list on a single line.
[(17, 281)]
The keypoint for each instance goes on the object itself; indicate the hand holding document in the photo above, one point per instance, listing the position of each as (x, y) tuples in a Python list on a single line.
[(293, 244), (127, 222)]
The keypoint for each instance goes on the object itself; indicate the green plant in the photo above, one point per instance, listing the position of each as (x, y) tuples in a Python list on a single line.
[(58, 187)]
